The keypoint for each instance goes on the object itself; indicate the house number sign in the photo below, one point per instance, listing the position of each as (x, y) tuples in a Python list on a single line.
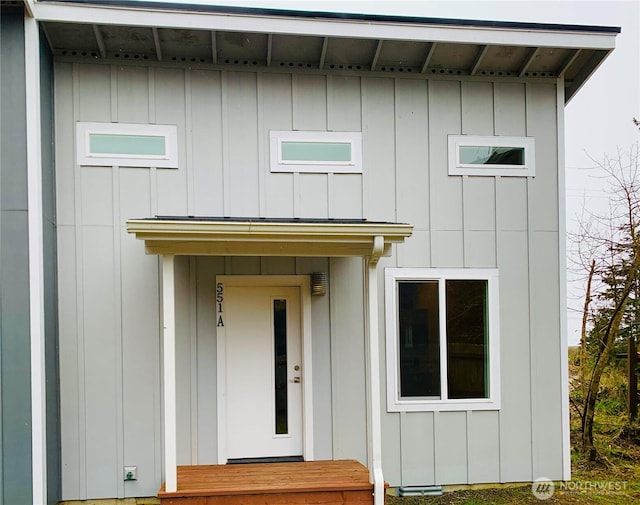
[(219, 300)]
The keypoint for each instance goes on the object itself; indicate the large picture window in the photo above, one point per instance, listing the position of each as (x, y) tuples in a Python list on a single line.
[(442, 339)]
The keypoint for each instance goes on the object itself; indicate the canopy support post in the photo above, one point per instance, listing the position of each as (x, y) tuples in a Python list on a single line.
[(374, 425), (169, 348)]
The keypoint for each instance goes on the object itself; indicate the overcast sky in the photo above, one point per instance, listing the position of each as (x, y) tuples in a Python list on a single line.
[(598, 119)]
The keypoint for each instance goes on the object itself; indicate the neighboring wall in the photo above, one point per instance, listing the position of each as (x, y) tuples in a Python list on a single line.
[(109, 301), (15, 358)]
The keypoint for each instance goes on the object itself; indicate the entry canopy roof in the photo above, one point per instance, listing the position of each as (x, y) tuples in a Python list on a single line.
[(195, 35), (226, 236)]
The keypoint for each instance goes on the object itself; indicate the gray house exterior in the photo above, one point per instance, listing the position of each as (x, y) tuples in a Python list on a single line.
[(173, 178)]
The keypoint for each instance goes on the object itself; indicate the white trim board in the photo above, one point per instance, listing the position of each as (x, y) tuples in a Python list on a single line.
[(562, 263), (36, 263), (302, 282)]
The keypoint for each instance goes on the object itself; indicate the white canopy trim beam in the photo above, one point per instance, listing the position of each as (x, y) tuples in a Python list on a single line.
[(265, 237)]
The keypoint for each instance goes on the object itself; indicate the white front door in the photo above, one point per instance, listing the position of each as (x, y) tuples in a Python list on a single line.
[(263, 371)]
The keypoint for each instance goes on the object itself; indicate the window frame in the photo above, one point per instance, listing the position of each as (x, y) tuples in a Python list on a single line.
[(458, 168), (441, 275), (85, 157), (277, 137)]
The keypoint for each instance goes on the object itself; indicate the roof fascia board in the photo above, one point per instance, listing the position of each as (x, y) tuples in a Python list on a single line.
[(145, 17), (228, 9)]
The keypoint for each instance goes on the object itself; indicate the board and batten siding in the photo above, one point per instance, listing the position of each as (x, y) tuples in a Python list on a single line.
[(109, 290), (504, 222)]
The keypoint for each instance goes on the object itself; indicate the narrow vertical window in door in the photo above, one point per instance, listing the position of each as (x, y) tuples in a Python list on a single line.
[(280, 356)]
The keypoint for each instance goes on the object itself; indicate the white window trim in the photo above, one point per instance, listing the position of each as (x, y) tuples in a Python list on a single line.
[(394, 402), (457, 168), (87, 158), (354, 166)]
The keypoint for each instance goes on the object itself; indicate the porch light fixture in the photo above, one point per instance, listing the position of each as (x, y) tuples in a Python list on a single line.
[(318, 283)]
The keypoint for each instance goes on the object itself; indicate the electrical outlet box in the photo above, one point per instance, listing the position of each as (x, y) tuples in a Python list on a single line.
[(130, 473)]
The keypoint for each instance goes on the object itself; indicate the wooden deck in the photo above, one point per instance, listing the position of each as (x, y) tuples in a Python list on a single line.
[(306, 483)]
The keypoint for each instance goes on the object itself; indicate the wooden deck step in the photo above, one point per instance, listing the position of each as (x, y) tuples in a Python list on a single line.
[(303, 483)]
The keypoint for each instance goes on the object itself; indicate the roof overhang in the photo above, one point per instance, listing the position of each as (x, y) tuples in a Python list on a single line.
[(267, 237), (128, 32)]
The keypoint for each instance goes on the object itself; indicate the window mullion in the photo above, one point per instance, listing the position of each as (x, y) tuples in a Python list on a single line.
[(442, 307)]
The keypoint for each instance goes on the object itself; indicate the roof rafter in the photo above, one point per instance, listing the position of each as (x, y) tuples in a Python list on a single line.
[(428, 56), (568, 62), (99, 41), (482, 51), (323, 54), (527, 63), (269, 48), (214, 47), (156, 42), (374, 62)]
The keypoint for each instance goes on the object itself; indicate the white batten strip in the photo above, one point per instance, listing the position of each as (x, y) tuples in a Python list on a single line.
[(562, 255), (169, 345), (193, 348), (307, 358), (36, 272)]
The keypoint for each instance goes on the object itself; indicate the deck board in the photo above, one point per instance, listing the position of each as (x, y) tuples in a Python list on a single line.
[(315, 482)]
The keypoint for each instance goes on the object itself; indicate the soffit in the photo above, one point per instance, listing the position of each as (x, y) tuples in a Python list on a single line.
[(324, 41)]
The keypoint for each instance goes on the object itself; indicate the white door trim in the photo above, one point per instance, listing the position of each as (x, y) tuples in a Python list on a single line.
[(301, 281)]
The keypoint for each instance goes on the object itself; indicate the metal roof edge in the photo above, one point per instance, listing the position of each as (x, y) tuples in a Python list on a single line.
[(258, 11), (175, 224)]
